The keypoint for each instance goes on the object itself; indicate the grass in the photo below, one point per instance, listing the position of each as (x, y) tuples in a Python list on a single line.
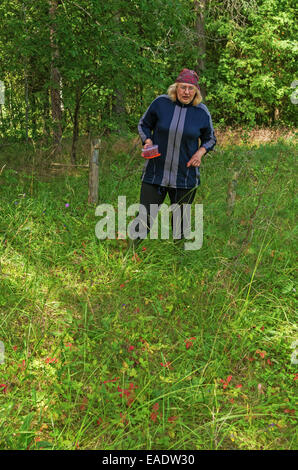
[(169, 349)]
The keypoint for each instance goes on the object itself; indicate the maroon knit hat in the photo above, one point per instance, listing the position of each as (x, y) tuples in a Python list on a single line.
[(188, 76)]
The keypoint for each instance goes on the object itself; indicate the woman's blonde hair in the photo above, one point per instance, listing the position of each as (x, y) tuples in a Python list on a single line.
[(172, 92)]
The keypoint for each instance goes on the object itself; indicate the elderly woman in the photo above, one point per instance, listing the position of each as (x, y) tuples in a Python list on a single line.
[(176, 122)]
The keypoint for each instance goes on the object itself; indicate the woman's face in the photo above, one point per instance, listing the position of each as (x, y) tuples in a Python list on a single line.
[(185, 92)]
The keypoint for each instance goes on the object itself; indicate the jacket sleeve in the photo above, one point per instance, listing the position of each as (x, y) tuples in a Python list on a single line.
[(208, 139), (147, 123)]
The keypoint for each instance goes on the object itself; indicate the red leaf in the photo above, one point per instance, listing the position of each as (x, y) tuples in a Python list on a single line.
[(167, 364), (50, 360), (262, 353), (292, 412), (172, 418), (226, 382)]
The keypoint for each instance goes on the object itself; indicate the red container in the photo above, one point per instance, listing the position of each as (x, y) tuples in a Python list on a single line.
[(151, 152)]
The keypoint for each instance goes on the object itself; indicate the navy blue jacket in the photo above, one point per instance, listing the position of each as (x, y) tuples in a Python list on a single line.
[(176, 129)]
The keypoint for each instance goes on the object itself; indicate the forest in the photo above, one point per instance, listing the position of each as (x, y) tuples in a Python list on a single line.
[(92, 67)]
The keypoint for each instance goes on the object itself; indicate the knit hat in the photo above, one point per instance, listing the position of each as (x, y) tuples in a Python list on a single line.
[(188, 76)]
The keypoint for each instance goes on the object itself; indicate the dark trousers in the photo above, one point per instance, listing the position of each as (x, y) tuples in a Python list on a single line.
[(155, 194)]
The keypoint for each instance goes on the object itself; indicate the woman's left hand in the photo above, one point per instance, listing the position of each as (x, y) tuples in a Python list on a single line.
[(196, 158)]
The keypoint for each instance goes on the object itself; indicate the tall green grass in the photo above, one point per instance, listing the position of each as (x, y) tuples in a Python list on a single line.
[(169, 349)]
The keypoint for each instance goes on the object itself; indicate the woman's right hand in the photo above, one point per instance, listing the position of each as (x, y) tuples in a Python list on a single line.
[(148, 143)]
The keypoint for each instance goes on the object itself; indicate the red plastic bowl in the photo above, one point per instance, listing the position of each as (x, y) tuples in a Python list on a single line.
[(151, 152)]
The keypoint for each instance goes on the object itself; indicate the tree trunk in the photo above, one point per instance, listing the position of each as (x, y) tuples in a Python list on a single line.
[(26, 107), (118, 108), (26, 84), (275, 115), (119, 112), (200, 9), (56, 82), (46, 114), (75, 132), (93, 172)]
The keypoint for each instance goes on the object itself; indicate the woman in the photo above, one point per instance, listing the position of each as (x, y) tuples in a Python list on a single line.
[(175, 122)]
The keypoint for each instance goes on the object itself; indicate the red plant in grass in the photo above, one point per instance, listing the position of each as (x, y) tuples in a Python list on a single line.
[(154, 414), (3, 388), (124, 420), (291, 412), (226, 382), (262, 353), (166, 364), (111, 381), (189, 342), (250, 359), (23, 365), (171, 419), (51, 360), (127, 392)]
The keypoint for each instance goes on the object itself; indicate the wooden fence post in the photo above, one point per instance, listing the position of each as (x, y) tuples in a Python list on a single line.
[(231, 193), (93, 172)]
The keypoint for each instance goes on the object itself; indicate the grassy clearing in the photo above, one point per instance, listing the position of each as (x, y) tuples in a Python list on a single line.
[(169, 349)]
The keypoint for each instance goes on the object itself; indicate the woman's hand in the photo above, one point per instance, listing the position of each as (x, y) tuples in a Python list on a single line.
[(148, 143), (196, 158)]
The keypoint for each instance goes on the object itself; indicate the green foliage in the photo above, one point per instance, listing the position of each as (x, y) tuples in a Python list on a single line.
[(255, 66), (115, 57)]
